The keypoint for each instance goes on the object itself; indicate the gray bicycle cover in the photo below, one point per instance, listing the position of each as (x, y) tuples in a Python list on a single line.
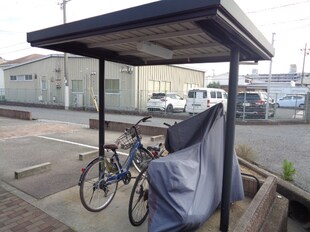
[(186, 186)]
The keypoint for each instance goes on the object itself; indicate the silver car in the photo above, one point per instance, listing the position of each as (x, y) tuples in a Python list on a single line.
[(291, 101)]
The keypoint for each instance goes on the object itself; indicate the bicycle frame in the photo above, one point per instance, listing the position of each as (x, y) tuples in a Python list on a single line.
[(123, 170)]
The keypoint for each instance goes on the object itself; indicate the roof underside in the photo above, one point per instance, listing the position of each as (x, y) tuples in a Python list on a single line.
[(197, 31)]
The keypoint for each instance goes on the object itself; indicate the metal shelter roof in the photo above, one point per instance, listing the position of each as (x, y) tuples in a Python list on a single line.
[(167, 32), (194, 31)]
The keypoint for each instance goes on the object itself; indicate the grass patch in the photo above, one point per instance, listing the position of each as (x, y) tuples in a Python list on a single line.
[(288, 170)]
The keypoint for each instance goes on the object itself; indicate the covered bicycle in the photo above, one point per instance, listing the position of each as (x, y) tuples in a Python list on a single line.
[(182, 190)]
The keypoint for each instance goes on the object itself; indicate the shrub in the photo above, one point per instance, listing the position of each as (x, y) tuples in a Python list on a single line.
[(246, 152), (214, 84), (288, 170)]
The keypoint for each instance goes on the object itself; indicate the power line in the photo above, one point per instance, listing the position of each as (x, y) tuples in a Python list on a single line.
[(6, 31), (13, 45), (278, 7), (22, 49), (285, 22)]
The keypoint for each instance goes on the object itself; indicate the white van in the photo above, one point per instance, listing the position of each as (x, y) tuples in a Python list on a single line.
[(200, 99)]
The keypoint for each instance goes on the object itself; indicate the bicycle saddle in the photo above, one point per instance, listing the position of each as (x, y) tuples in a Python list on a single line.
[(111, 146)]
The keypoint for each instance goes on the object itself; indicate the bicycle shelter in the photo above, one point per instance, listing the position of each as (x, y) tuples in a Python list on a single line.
[(167, 32)]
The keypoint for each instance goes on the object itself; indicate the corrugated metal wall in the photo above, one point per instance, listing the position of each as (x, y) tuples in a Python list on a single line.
[(133, 82), (180, 78)]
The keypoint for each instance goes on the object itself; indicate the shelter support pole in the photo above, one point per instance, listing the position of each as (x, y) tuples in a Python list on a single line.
[(101, 106), (229, 136)]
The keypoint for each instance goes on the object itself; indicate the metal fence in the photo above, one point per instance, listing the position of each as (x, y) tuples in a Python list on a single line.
[(127, 100), (253, 105), (293, 107)]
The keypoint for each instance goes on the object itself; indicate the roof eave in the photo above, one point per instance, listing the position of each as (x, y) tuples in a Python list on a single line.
[(223, 20)]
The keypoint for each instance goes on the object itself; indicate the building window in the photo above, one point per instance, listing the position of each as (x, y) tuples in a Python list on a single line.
[(159, 86), (165, 86), (77, 86), (28, 77), (111, 85), (21, 78), (154, 86)]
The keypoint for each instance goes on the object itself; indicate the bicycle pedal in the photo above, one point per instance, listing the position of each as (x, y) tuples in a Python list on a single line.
[(127, 178)]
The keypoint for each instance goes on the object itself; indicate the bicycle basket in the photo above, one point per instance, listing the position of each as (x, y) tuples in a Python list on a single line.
[(126, 140)]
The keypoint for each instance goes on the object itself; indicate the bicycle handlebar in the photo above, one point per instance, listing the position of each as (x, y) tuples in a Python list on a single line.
[(146, 118), (168, 125), (141, 120)]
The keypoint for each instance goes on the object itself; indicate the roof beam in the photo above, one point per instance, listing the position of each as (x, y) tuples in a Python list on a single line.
[(177, 48), (147, 38), (195, 46)]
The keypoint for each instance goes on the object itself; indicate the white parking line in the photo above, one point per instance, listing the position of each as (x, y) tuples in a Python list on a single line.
[(74, 143), (299, 114), (66, 141)]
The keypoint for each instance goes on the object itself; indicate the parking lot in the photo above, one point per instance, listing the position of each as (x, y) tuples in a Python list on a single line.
[(271, 143), (58, 136), (28, 143)]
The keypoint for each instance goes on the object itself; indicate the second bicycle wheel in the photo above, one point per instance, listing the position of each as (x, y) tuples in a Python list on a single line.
[(138, 201), (96, 188), (142, 158)]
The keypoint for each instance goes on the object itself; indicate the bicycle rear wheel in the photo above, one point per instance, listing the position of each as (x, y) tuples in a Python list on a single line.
[(96, 191), (138, 201), (142, 158)]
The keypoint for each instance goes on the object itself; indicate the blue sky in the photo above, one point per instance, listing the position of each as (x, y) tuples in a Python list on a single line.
[(289, 19)]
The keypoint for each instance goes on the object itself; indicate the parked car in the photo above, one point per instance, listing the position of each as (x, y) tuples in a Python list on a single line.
[(166, 102), (291, 101), (253, 105), (200, 99)]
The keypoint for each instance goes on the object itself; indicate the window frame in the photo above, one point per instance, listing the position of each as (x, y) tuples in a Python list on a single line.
[(22, 77)]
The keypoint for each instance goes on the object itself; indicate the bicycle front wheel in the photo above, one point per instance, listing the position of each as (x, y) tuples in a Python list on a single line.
[(96, 188), (138, 202), (142, 158)]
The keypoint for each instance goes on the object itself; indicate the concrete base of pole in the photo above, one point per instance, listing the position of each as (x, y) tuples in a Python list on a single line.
[(66, 97)]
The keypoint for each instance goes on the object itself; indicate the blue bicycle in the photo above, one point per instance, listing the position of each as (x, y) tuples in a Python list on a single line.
[(99, 180)]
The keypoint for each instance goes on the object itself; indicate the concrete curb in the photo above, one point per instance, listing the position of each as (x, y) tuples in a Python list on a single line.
[(88, 155), (18, 114), (157, 138), (260, 205), (285, 188), (32, 170), (119, 126)]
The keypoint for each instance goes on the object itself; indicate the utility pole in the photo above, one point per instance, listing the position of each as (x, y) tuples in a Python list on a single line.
[(306, 52), (66, 77), (269, 80)]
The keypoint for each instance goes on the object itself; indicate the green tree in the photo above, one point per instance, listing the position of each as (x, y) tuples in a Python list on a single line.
[(214, 85)]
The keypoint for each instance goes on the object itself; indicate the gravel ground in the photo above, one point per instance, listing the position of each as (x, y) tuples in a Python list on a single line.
[(274, 143)]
